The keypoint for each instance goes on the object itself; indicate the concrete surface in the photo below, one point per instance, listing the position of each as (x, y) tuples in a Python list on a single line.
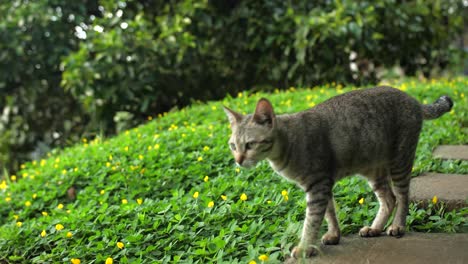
[(413, 248), (459, 152), (452, 189)]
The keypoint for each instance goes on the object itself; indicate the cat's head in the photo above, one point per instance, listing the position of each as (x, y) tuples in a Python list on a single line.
[(253, 135)]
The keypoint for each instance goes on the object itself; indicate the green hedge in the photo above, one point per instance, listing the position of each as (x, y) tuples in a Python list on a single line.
[(99, 66)]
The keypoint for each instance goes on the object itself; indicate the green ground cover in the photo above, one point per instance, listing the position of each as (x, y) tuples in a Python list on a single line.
[(168, 191)]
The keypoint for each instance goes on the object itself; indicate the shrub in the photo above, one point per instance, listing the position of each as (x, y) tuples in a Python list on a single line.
[(36, 113), (120, 61), (145, 61)]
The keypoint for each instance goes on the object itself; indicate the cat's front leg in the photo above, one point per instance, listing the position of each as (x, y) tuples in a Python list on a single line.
[(317, 197)]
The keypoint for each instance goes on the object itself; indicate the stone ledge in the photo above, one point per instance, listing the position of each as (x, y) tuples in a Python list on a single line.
[(458, 152), (414, 248), (452, 189)]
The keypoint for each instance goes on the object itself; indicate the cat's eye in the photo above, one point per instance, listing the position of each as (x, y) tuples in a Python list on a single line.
[(249, 145), (232, 146)]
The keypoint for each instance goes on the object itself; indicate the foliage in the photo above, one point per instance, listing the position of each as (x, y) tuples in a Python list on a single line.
[(145, 61), (168, 191), (97, 66), (36, 113)]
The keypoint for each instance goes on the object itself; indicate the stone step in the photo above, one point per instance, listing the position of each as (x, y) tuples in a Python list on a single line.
[(459, 152), (414, 248), (452, 189)]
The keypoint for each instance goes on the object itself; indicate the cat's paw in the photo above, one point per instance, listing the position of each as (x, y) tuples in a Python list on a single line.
[(301, 252), (396, 231), (369, 232), (330, 239)]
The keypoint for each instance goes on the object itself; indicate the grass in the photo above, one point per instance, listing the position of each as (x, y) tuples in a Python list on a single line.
[(168, 191)]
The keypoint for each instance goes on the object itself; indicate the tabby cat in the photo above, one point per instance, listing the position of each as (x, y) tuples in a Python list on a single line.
[(371, 132)]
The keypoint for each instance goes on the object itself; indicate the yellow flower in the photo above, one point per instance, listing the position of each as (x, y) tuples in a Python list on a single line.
[(361, 201), (140, 157), (269, 202), (252, 262), (286, 198), (75, 261), (58, 227), (243, 197), (27, 203), (109, 261), (124, 201), (13, 177), (156, 146), (126, 148), (19, 224), (150, 118), (284, 193), (195, 195), (263, 257), (237, 170), (206, 148), (139, 201), (120, 245), (210, 204), (102, 192), (60, 206), (224, 197), (15, 217), (434, 199), (108, 164), (34, 196), (7, 199), (69, 234), (45, 214), (3, 185), (206, 179), (200, 158), (43, 233)]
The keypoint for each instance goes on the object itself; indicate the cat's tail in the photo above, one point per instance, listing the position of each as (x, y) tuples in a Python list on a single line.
[(438, 108)]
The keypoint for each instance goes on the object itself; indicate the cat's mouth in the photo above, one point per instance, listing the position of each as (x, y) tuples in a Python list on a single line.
[(248, 164)]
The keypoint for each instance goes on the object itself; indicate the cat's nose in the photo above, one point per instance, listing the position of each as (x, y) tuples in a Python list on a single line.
[(240, 159)]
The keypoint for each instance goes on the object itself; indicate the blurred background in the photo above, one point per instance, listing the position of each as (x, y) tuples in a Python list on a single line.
[(80, 69)]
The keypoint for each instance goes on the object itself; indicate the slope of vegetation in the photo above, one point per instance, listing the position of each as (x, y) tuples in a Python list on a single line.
[(168, 191)]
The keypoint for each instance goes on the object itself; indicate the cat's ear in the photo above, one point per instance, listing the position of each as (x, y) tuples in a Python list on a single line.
[(264, 114), (233, 116)]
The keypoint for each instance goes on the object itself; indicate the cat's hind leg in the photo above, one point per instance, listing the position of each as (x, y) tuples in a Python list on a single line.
[(400, 171), (401, 183), (332, 237), (380, 184)]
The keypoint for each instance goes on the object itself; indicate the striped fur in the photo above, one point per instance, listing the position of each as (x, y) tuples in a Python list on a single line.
[(372, 132)]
